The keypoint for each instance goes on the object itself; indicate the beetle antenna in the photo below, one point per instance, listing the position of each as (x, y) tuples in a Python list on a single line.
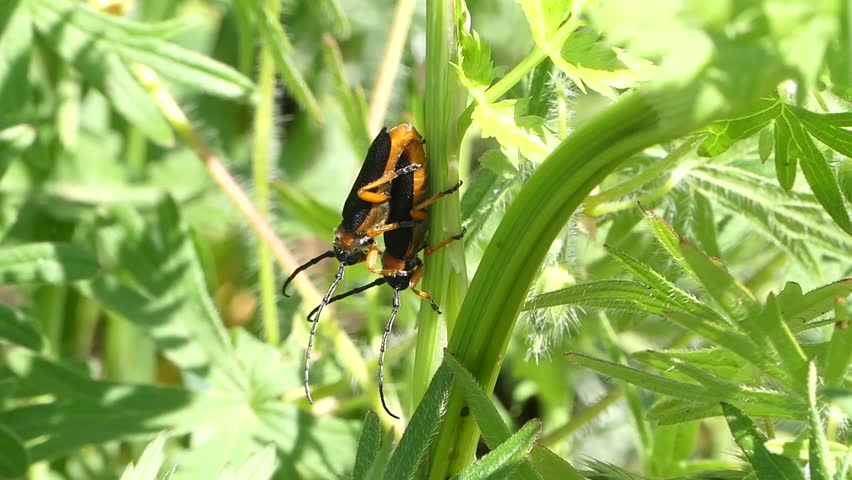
[(304, 266), (382, 352), (335, 298), (337, 278)]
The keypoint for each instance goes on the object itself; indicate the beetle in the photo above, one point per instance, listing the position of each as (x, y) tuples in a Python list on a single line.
[(365, 210), (402, 267)]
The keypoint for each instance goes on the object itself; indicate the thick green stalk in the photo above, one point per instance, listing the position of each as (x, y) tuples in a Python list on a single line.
[(511, 261), (263, 124), (445, 275)]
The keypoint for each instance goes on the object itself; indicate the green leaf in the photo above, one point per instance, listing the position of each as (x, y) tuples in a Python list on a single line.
[(495, 431), (834, 137), (14, 141), (817, 450), (273, 35), (144, 44), (786, 154), (615, 295), (668, 239), (551, 466), (497, 463), (159, 286), (18, 328), (545, 17), (260, 466), (820, 177), (802, 308), (772, 325), (149, 464), (840, 348), (589, 62), (731, 295), (725, 133), (47, 263), (65, 422), (517, 134), (475, 69), (803, 31), (770, 403), (15, 461), (415, 441), (664, 288), (794, 221), (766, 465), (844, 177), (16, 45), (735, 342), (97, 61), (369, 446), (766, 143), (672, 445)]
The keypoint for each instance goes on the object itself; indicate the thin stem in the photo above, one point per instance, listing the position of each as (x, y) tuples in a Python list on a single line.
[(445, 276), (390, 64), (263, 125)]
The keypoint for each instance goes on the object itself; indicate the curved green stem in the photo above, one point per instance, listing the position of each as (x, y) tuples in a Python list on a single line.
[(511, 261)]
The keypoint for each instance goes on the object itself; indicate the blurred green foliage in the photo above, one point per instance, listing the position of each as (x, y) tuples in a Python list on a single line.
[(620, 202)]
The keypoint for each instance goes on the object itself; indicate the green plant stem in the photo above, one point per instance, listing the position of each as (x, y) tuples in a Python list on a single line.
[(445, 275), (263, 124), (511, 261)]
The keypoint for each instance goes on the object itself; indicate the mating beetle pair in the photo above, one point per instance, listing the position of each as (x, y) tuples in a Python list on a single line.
[(388, 198)]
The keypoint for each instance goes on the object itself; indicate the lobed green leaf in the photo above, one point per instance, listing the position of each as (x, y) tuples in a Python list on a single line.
[(46, 263)]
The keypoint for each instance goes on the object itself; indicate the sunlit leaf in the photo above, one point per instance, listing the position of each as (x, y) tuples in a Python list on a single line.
[(15, 50), (46, 262), (766, 465)]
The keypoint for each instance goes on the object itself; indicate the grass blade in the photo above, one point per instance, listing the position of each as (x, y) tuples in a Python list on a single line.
[(499, 462), (766, 465), (606, 294), (369, 446), (415, 441), (772, 325)]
